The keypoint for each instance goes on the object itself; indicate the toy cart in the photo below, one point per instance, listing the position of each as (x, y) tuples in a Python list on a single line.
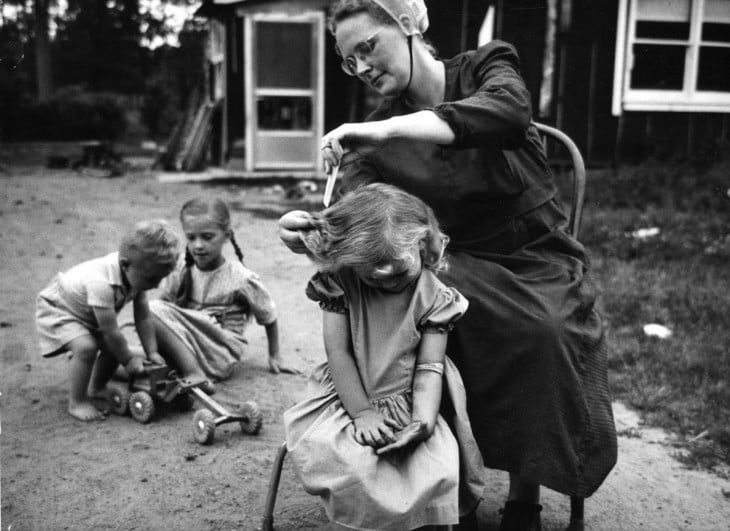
[(163, 385)]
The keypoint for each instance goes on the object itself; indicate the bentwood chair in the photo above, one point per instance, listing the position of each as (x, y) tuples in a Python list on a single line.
[(578, 171), (577, 168)]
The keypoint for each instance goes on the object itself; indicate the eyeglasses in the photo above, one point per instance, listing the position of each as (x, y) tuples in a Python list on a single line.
[(362, 50)]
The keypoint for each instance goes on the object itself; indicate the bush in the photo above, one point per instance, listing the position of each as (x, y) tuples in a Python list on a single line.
[(160, 110), (681, 185), (71, 114)]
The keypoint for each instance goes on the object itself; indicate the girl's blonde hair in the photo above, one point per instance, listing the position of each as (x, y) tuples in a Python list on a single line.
[(153, 241), (217, 210), (374, 224)]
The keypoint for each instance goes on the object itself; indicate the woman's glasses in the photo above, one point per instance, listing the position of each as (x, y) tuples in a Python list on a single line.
[(362, 50)]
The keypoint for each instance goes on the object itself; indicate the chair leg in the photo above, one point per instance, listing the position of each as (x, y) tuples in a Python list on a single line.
[(267, 523), (576, 514)]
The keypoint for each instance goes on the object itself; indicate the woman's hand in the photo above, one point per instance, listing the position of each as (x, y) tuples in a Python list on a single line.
[(373, 429), (416, 432), (289, 226), (350, 136)]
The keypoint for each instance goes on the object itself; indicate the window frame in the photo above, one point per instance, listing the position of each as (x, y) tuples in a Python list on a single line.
[(689, 99)]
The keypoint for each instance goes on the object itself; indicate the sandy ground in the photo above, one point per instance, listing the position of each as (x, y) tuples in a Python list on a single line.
[(58, 473)]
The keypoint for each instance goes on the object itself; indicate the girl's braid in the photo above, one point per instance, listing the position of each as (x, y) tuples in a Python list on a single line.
[(184, 292), (239, 252)]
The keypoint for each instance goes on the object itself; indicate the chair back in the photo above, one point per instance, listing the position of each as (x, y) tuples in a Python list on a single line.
[(578, 171)]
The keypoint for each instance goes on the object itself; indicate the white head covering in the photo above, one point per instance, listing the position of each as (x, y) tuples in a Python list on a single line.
[(415, 10)]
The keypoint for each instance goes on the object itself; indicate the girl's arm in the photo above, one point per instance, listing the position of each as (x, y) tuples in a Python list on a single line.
[(276, 365), (427, 385), (146, 328), (371, 428), (114, 341)]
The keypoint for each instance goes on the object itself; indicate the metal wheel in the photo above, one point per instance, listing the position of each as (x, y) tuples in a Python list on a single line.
[(119, 399), (253, 418), (183, 402), (204, 426), (141, 406)]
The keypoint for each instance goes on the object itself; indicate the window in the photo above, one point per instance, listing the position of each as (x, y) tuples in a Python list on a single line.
[(673, 55)]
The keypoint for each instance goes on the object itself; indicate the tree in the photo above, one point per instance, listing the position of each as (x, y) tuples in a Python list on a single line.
[(44, 83)]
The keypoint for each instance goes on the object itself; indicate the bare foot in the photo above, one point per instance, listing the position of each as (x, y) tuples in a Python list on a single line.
[(101, 399), (85, 411)]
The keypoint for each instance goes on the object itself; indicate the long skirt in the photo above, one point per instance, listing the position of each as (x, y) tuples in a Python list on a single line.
[(532, 352), (216, 349)]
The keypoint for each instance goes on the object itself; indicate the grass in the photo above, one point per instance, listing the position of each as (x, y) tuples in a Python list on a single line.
[(678, 278)]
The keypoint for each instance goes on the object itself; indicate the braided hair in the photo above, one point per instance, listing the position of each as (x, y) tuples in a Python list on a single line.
[(218, 211)]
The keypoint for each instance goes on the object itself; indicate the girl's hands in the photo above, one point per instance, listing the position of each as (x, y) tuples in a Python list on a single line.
[(276, 365), (373, 429), (289, 226), (349, 136), (416, 432)]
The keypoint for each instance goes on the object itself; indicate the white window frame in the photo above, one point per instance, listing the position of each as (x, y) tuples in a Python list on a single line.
[(689, 99)]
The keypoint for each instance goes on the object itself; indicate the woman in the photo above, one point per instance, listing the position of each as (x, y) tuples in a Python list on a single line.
[(458, 134)]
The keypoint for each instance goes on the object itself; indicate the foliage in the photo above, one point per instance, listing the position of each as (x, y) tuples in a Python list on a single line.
[(678, 278), (71, 114), (98, 47)]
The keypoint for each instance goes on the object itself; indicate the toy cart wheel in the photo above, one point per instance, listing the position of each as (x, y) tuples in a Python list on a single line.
[(204, 426), (253, 418), (141, 406), (119, 399), (183, 402)]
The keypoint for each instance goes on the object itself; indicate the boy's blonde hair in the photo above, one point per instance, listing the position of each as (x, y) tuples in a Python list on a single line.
[(374, 224), (152, 241)]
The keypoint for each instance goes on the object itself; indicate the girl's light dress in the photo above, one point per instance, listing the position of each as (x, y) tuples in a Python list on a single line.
[(401, 490), (213, 320)]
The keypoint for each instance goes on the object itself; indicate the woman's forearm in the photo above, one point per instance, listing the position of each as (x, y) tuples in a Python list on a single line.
[(422, 125)]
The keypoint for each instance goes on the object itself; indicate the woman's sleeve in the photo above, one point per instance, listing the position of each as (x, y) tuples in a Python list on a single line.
[(259, 299), (355, 171), (325, 289), (499, 111), (448, 306)]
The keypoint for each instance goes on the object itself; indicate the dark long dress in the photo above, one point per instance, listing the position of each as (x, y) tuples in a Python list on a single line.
[(531, 348)]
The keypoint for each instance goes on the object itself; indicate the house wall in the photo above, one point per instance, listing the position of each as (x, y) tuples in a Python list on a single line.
[(583, 88)]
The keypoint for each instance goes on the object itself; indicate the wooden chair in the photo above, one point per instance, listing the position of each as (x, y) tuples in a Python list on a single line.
[(577, 198)]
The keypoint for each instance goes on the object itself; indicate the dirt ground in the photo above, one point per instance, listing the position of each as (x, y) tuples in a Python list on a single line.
[(58, 473)]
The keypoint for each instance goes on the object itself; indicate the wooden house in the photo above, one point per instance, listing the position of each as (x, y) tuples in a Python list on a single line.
[(626, 79)]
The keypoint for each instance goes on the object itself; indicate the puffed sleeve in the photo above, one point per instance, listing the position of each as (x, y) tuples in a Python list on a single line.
[(448, 306), (498, 111), (170, 285), (325, 289), (259, 299)]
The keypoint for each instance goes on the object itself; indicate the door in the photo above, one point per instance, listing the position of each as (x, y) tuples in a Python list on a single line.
[(284, 58)]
